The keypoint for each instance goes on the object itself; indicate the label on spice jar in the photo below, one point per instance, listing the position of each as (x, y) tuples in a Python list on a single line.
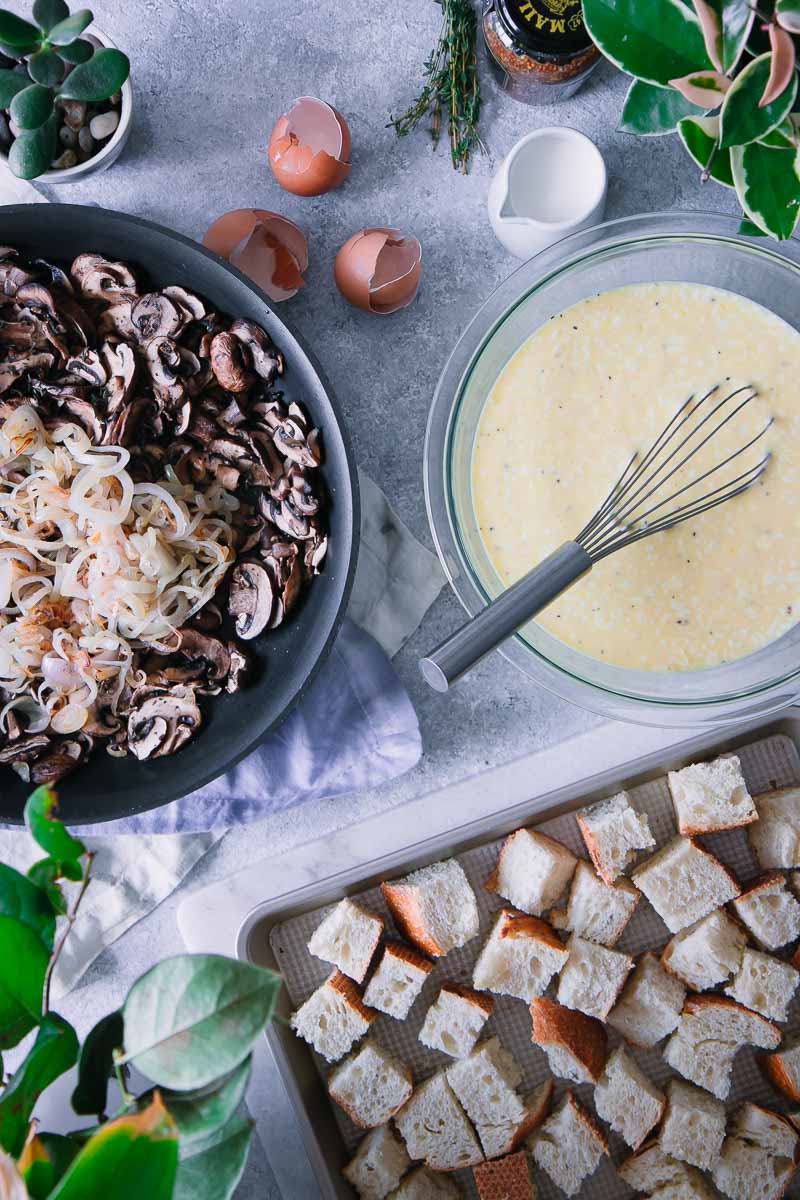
[(552, 25)]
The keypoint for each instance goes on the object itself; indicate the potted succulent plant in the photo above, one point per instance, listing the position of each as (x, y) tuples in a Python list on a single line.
[(188, 1025), (65, 96), (722, 74)]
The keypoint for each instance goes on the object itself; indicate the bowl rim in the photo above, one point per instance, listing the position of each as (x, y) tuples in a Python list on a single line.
[(526, 279)]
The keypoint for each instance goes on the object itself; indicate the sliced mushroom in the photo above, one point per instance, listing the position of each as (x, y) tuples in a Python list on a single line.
[(88, 366), (240, 669), (120, 365), (210, 652), (227, 363), (292, 442), (250, 598), (153, 315), (14, 369), (266, 359), (24, 749), (60, 761), (85, 414), (100, 279), (116, 319), (162, 720), (164, 363), (187, 303)]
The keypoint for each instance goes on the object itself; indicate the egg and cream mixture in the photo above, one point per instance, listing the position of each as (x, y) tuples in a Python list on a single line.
[(600, 381)]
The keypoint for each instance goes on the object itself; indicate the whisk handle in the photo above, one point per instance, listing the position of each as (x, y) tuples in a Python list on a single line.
[(504, 616)]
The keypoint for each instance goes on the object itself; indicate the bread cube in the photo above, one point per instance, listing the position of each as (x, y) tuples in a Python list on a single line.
[(434, 907), (569, 1145), (532, 871), (595, 910), (710, 1031), (783, 1070), (770, 912), (575, 1044), (333, 1017), (509, 1179), (592, 978), (706, 954), (485, 1086), (371, 1085), (711, 796), (520, 956), (434, 1127), (684, 883), (650, 1005), (652, 1171), (614, 833), (694, 1125), (626, 1099), (775, 837), (398, 980), (378, 1165), (771, 1131), (764, 984), (454, 1021), (759, 1157), (422, 1184), (348, 937)]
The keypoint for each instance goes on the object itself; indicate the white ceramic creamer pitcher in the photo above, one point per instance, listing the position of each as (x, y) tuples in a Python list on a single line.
[(551, 183)]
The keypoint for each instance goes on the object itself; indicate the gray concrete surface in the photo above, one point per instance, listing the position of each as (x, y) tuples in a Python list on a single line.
[(210, 79)]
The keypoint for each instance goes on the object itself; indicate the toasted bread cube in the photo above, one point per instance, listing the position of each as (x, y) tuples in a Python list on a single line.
[(509, 1179), (684, 883), (652, 1171), (764, 984), (454, 1021), (626, 1099), (710, 1031), (348, 937), (772, 1131), (706, 954), (333, 1017), (434, 1127), (422, 1184), (770, 912), (378, 1165), (575, 1044), (775, 837), (694, 1125), (434, 907), (569, 1145), (650, 1005), (485, 1085), (592, 978), (532, 871), (520, 956), (614, 833), (711, 796), (398, 980), (371, 1085), (595, 910), (783, 1070), (759, 1157)]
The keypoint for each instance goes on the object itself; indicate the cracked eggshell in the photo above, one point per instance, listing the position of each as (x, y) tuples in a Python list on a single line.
[(379, 270), (309, 148), (268, 248)]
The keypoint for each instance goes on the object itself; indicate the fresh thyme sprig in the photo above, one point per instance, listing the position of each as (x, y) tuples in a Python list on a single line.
[(451, 86)]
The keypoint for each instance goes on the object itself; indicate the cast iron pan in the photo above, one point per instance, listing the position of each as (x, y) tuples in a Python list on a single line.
[(106, 788)]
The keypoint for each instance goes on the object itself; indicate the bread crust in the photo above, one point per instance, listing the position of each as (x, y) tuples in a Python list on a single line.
[(692, 831), (584, 1037), (405, 907), (775, 1070), (521, 925), (407, 954), (696, 1003), (479, 999), (346, 987), (591, 844), (352, 1113), (507, 1179), (559, 847), (586, 1119)]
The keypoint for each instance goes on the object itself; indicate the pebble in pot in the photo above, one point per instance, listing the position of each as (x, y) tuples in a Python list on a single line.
[(103, 125)]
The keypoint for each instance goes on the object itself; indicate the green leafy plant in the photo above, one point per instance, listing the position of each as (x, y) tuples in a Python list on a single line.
[(58, 65), (722, 74), (188, 1025)]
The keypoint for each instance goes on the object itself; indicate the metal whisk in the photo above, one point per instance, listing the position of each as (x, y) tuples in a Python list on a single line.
[(636, 507)]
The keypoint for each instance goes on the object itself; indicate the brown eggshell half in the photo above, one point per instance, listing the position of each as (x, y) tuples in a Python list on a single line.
[(379, 270), (309, 148), (268, 248)]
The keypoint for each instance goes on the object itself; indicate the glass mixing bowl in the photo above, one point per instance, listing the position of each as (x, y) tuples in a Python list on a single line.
[(693, 247)]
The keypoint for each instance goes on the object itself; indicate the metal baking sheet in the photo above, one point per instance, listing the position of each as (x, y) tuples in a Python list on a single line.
[(767, 763)]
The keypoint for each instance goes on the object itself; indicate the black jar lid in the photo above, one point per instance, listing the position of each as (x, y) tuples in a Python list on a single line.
[(552, 27)]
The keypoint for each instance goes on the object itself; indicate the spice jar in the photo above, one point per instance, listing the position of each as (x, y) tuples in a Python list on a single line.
[(539, 50)]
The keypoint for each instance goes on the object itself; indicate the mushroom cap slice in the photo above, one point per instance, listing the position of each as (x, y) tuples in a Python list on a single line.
[(161, 720), (251, 598)]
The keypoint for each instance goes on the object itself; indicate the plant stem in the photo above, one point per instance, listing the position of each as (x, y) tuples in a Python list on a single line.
[(119, 1071), (70, 921)]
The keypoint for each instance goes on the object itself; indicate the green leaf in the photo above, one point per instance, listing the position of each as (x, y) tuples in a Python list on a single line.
[(47, 13), (131, 1158), (54, 1052), (782, 138), (23, 963), (11, 82), (700, 136), (748, 229), (44, 1160), (741, 120), (99, 78), (788, 14), (768, 187), (31, 107), (70, 28), (654, 40), (198, 1115), (193, 1018), (46, 67), (736, 19), (15, 33), (651, 110), (76, 52), (48, 832), (44, 874), (21, 899), (214, 1167), (97, 1065)]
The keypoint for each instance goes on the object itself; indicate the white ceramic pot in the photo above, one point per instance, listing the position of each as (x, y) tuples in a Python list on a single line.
[(551, 183), (113, 147)]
